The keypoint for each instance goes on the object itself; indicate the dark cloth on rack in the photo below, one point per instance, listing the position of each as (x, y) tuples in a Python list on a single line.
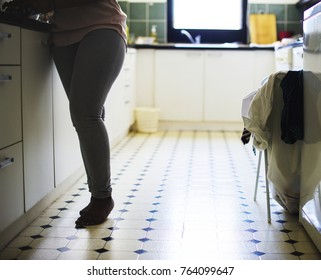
[(246, 136), (292, 127)]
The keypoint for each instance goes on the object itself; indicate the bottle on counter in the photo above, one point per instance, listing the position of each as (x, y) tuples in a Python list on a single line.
[(153, 32)]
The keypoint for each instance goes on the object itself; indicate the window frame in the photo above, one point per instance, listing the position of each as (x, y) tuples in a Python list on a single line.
[(208, 36)]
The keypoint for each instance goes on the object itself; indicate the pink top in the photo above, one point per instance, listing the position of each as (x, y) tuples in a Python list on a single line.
[(70, 25)]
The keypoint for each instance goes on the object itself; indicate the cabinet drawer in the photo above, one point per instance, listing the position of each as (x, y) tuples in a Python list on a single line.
[(9, 44), (10, 105), (11, 185)]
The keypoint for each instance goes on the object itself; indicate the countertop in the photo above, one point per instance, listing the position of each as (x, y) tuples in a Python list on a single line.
[(24, 22), (223, 46)]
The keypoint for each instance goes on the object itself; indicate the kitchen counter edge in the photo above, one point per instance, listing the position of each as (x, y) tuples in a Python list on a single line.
[(173, 46), (24, 22)]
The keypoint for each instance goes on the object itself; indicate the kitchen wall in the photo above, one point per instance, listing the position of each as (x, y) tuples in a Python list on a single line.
[(142, 15)]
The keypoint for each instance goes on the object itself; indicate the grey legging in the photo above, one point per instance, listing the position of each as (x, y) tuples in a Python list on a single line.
[(87, 70)]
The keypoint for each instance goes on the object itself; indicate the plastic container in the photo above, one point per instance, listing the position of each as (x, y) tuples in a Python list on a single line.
[(147, 119)]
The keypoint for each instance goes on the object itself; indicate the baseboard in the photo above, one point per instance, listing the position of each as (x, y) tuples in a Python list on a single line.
[(201, 126)]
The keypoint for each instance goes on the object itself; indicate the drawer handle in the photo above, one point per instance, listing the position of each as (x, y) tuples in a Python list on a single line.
[(5, 35), (6, 163), (4, 78)]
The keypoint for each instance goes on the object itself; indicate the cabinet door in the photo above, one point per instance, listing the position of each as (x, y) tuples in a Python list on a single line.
[(179, 84), (264, 66), (11, 188), (145, 77), (66, 145), (228, 78), (37, 116), (129, 77), (9, 44), (10, 105)]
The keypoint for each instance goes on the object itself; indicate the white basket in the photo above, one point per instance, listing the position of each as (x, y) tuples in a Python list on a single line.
[(147, 119)]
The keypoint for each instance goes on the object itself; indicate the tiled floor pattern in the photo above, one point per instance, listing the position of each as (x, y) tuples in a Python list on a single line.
[(179, 195)]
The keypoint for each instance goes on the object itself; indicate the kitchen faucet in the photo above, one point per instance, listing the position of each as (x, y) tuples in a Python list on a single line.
[(197, 39)]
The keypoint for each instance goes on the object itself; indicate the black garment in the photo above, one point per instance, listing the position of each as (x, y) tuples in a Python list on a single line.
[(246, 135), (292, 127)]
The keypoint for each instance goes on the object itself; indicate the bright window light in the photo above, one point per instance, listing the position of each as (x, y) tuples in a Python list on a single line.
[(207, 14)]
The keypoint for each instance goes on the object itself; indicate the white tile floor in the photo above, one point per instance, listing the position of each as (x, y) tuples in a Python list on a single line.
[(179, 196)]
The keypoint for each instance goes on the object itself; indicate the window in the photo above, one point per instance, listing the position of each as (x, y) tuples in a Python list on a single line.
[(216, 21)]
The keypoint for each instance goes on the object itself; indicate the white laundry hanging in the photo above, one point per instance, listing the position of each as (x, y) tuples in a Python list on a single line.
[(263, 121)]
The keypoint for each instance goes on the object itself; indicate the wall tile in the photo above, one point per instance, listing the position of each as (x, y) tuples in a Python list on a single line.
[(157, 11), (262, 8), (141, 16), (296, 28), (294, 14), (138, 28), (137, 11), (279, 11), (124, 6)]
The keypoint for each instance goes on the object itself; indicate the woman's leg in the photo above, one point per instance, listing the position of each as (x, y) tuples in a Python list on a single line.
[(92, 67)]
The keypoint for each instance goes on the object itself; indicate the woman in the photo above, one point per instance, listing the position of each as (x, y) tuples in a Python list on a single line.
[(89, 45)]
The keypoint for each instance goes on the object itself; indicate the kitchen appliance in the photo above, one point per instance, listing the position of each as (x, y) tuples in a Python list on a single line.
[(310, 214)]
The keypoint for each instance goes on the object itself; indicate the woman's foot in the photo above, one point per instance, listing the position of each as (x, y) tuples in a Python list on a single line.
[(96, 212), (84, 210)]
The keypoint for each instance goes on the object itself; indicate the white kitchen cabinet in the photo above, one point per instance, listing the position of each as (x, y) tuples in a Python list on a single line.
[(121, 101), (264, 66), (10, 85), (10, 105), (9, 44), (11, 187), (228, 78), (145, 78), (11, 173), (200, 85), (37, 116), (179, 84), (67, 155), (128, 78)]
